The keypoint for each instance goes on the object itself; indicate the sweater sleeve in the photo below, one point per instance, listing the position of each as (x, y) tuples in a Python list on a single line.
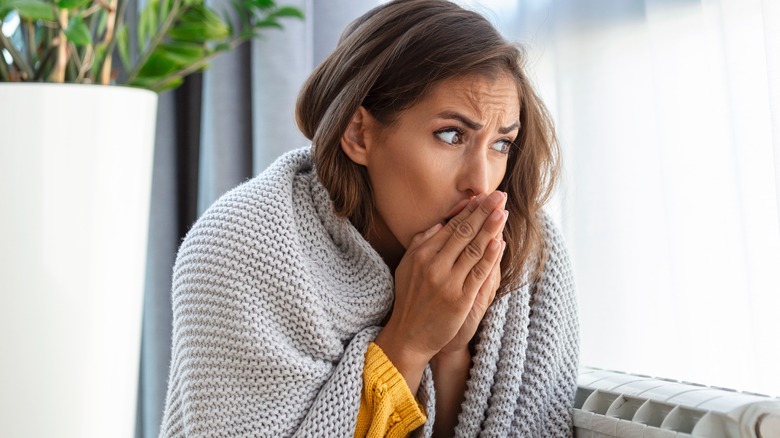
[(387, 406)]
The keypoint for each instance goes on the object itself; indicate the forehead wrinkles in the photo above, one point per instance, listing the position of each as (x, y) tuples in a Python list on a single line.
[(489, 98)]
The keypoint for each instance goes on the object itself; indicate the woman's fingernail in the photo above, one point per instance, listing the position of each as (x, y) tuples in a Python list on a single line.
[(475, 201)]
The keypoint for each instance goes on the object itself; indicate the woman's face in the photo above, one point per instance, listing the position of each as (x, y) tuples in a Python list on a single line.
[(438, 154)]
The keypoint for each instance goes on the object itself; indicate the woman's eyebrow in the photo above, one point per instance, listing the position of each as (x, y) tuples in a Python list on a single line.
[(509, 128), (472, 124)]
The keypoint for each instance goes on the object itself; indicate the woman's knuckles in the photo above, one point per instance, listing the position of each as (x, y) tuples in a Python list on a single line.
[(473, 250), (465, 231)]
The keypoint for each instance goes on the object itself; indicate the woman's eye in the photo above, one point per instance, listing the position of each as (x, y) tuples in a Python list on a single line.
[(503, 146), (451, 136)]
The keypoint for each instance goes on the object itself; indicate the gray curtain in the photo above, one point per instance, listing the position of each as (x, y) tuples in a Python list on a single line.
[(217, 130)]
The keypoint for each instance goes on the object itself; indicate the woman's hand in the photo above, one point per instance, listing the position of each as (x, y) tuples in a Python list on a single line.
[(451, 364), (484, 299), (444, 283)]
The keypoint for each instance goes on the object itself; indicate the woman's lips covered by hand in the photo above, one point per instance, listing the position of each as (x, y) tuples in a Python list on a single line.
[(455, 210)]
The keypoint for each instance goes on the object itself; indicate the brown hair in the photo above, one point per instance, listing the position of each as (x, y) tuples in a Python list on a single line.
[(387, 60)]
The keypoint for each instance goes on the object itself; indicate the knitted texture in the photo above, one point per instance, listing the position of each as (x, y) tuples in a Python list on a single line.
[(275, 301), (387, 406)]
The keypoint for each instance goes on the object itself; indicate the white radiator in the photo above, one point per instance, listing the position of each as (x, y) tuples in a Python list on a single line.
[(614, 404)]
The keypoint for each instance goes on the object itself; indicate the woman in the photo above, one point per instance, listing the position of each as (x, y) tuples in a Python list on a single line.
[(397, 276)]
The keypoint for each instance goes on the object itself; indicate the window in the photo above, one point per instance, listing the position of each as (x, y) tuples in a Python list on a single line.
[(668, 113)]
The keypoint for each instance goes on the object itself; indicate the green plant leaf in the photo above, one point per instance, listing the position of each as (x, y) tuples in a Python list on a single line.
[(263, 4), (242, 15), (102, 21), (158, 66), (221, 47), (268, 22), (190, 32), (71, 4), (122, 46), (194, 14), (226, 19), (199, 24), (156, 84), (183, 54), (165, 7), (147, 22), (78, 32), (5, 9), (169, 85), (287, 11), (100, 54), (30, 10)]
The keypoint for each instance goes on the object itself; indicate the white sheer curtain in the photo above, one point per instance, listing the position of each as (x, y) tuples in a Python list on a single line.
[(669, 116)]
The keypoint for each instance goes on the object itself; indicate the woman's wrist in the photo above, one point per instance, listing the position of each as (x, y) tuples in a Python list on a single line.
[(409, 363), (450, 372), (451, 360)]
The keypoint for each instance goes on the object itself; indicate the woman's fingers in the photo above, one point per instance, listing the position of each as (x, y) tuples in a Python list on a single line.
[(487, 292), (485, 297), (423, 237), (431, 308), (481, 274), (496, 276), (469, 233), (441, 238)]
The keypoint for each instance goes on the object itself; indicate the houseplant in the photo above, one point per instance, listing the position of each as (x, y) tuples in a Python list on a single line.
[(79, 40), (75, 180)]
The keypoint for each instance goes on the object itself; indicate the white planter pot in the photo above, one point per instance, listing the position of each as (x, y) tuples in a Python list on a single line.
[(75, 179)]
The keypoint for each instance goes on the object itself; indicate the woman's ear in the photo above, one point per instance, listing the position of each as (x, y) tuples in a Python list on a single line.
[(353, 140)]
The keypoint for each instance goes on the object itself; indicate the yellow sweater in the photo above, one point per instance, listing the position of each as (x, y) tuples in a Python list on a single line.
[(387, 406)]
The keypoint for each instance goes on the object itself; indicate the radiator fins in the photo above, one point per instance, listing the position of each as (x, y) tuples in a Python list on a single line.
[(614, 404)]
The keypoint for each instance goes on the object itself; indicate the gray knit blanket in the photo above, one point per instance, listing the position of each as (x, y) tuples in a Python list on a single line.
[(275, 300)]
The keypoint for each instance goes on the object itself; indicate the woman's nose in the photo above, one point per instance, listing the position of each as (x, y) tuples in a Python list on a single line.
[(473, 175)]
